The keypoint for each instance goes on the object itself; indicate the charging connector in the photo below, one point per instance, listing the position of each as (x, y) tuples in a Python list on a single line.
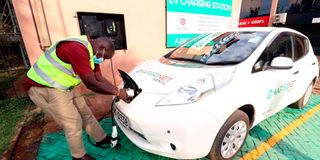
[(130, 92)]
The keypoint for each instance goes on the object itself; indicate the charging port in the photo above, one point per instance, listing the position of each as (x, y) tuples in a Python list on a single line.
[(129, 83)]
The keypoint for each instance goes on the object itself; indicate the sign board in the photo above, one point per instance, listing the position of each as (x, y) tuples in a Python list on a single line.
[(316, 20), (254, 22), (188, 18)]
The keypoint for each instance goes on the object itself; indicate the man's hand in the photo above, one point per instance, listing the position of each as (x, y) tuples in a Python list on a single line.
[(97, 83), (124, 96)]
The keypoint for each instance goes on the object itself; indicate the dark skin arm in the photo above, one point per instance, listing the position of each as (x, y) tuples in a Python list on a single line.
[(97, 83), (103, 48), (92, 79), (100, 78)]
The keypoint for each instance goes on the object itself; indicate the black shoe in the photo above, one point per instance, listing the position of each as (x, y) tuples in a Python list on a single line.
[(85, 157), (106, 141)]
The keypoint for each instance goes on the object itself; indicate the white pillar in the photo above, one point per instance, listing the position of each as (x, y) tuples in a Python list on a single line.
[(273, 11)]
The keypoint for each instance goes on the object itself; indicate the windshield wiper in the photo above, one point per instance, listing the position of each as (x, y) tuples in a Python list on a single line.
[(224, 63), (186, 59)]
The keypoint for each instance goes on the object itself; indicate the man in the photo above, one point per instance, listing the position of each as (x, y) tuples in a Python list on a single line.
[(51, 80)]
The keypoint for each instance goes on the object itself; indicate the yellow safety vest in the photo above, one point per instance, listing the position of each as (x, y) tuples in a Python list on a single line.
[(50, 71)]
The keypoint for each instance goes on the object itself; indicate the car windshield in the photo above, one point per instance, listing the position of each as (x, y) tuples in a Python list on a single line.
[(219, 47)]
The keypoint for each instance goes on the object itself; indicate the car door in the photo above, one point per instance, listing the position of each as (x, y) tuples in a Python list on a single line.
[(272, 86), (301, 67)]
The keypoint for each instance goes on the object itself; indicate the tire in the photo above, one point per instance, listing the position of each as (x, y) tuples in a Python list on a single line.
[(302, 102), (220, 150)]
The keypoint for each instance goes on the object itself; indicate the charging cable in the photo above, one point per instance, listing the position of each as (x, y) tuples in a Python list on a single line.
[(114, 134)]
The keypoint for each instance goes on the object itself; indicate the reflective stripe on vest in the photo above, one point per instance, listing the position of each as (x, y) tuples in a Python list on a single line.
[(57, 64), (69, 81), (53, 83)]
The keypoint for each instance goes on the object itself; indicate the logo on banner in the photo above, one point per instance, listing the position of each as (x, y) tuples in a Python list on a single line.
[(182, 21)]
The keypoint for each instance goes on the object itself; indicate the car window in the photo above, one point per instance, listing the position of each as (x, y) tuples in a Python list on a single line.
[(261, 63), (281, 46), (300, 47), (219, 48)]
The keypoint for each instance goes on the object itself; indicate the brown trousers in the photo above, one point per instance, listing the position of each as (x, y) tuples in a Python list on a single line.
[(71, 112)]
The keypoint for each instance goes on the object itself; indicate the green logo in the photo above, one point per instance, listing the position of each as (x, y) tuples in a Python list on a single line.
[(282, 88)]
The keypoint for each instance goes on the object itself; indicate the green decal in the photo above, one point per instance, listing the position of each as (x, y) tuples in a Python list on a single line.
[(281, 89)]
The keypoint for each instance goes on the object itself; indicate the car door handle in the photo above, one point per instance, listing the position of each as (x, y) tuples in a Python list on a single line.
[(296, 72)]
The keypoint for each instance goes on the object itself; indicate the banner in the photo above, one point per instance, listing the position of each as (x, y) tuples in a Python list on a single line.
[(188, 18)]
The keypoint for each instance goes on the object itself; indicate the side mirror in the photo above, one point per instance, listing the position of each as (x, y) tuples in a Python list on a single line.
[(281, 63)]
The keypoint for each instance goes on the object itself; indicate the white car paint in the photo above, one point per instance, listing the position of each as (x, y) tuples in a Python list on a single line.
[(192, 127)]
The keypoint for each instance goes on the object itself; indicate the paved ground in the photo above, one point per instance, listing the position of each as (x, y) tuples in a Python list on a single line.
[(290, 134)]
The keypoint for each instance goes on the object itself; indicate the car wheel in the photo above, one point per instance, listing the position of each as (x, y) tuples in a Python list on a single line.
[(231, 137), (302, 102)]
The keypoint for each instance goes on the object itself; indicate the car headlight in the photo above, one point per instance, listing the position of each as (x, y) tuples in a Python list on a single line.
[(191, 92)]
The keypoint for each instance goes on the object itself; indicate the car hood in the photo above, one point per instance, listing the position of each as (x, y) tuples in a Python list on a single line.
[(157, 78)]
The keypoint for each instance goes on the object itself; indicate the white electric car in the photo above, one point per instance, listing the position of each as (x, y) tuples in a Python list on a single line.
[(202, 98)]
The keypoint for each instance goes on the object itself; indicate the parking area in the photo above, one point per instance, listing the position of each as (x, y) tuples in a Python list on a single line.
[(289, 134)]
